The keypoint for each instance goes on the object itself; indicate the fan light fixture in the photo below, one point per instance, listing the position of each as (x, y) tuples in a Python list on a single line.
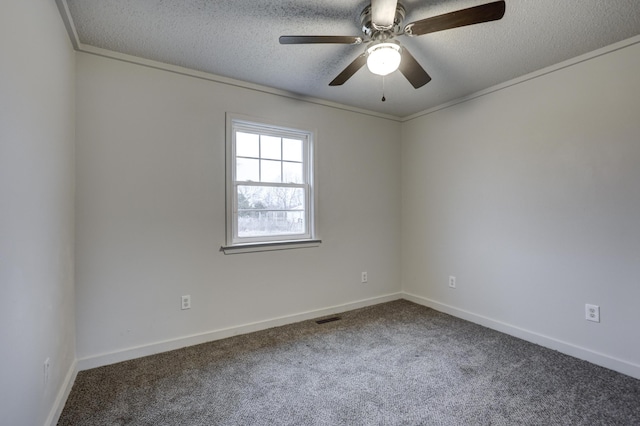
[(383, 58)]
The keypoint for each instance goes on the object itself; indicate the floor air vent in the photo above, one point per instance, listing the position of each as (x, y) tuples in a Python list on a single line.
[(325, 320)]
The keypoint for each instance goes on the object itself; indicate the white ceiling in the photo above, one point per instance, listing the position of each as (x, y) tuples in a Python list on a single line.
[(239, 39)]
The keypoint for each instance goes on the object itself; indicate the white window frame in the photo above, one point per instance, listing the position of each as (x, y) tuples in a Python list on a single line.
[(237, 244)]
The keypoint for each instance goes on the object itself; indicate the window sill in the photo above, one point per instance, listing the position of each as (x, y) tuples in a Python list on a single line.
[(276, 245)]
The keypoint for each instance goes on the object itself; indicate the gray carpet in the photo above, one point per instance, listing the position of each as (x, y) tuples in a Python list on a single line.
[(397, 363)]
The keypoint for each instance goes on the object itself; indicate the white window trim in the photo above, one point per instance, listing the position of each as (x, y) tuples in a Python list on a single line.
[(281, 242)]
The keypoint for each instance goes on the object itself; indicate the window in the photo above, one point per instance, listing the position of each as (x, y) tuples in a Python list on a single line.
[(270, 199)]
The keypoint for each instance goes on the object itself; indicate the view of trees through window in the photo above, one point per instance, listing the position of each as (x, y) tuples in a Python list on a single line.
[(270, 210)]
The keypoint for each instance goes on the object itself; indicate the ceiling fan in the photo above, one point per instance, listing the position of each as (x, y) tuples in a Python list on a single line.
[(381, 24)]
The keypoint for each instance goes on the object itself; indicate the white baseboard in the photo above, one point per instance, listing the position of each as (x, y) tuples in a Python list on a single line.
[(195, 339), (63, 394), (621, 366)]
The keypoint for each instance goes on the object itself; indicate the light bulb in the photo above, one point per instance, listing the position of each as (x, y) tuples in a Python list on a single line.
[(384, 58)]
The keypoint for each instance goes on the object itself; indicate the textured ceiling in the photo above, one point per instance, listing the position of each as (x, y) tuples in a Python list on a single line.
[(239, 39)]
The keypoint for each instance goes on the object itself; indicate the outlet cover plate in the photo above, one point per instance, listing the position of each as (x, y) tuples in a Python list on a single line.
[(592, 312), (186, 301)]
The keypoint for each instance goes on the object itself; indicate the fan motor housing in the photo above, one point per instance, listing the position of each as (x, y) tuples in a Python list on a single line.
[(371, 30)]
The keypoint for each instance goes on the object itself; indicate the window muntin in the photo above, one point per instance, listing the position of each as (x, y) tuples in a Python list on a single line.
[(270, 190)]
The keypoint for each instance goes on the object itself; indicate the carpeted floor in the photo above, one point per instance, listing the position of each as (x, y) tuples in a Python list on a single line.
[(397, 363)]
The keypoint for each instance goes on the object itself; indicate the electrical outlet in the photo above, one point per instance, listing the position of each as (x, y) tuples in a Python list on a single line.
[(364, 277), (592, 312), (452, 281), (186, 302), (47, 365)]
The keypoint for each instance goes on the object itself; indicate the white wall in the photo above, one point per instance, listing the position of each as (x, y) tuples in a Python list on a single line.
[(530, 196), (37, 74), (151, 211)]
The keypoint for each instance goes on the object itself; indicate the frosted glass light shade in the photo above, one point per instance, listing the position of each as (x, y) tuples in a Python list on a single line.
[(384, 58)]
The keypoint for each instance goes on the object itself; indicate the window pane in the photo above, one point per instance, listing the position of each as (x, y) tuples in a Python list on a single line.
[(292, 172), (247, 169), (270, 147), (271, 171), (247, 145), (270, 211), (292, 149)]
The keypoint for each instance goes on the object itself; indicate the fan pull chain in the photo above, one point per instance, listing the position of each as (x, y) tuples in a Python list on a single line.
[(383, 98)]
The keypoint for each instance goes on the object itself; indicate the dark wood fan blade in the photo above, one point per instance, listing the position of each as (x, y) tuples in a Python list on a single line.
[(412, 70), (473, 15), (320, 39), (383, 13), (350, 70)]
